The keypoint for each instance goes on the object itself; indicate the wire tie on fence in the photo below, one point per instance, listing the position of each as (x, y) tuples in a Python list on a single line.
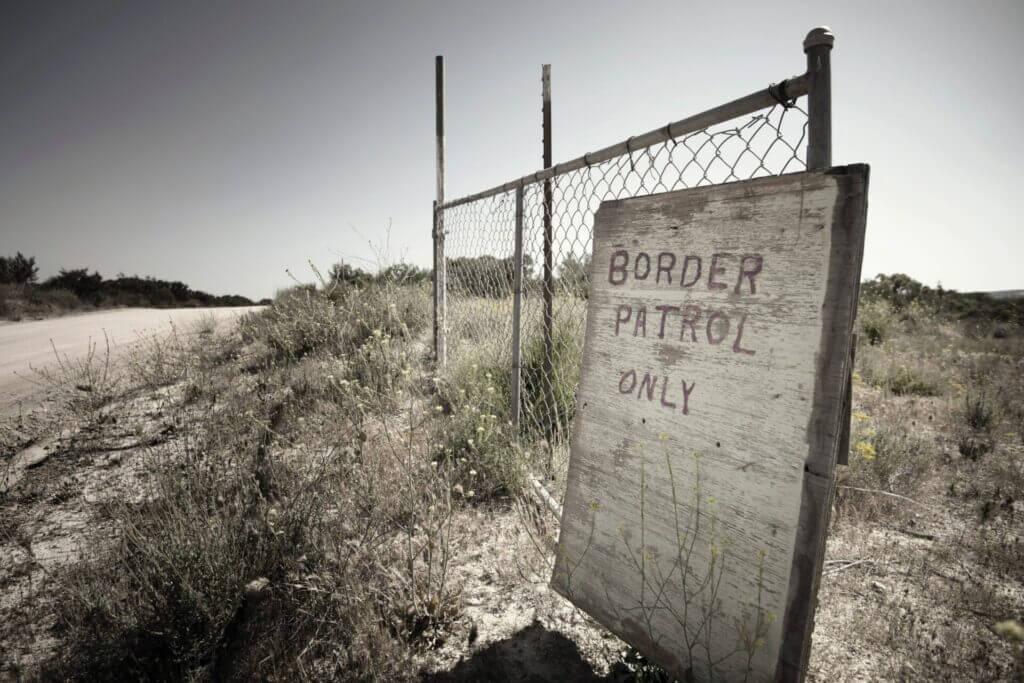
[(779, 94), (629, 151), (586, 159)]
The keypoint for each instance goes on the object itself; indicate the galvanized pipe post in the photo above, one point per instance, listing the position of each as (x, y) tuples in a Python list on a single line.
[(440, 267), (549, 279), (517, 310), (817, 47), (796, 641)]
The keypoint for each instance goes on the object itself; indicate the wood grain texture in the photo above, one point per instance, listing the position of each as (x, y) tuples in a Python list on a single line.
[(707, 420)]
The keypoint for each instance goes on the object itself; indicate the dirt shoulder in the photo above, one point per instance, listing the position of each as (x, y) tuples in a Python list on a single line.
[(44, 344), (302, 496)]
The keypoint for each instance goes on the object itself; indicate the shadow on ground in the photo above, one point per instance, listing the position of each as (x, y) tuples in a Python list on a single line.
[(532, 655)]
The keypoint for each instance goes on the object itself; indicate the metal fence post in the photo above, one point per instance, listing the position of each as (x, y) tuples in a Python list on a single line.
[(517, 308), (796, 645), (549, 280), (440, 266), (817, 46)]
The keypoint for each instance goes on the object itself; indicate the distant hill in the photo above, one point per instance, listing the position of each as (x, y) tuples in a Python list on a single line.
[(1006, 294), (901, 290)]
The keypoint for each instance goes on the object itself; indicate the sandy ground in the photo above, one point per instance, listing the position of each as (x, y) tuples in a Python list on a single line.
[(903, 598), (27, 345)]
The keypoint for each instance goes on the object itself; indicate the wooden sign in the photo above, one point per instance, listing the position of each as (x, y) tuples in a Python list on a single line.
[(708, 415)]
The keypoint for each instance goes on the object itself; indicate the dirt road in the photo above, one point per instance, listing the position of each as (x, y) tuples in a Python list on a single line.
[(27, 345)]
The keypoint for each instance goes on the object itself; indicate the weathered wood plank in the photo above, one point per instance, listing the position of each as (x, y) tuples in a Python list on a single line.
[(708, 416)]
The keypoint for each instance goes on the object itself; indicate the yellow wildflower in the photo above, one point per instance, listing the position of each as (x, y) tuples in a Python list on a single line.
[(866, 450)]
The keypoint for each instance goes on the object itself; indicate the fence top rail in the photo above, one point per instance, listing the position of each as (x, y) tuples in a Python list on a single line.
[(788, 90)]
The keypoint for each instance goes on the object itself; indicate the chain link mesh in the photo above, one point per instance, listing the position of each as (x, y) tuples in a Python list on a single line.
[(480, 244)]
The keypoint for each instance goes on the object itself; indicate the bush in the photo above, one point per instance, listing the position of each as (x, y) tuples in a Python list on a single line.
[(294, 527), (902, 380), (18, 269), (63, 299), (396, 311), (300, 321), (978, 412), (876, 320), (549, 398), (474, 432)]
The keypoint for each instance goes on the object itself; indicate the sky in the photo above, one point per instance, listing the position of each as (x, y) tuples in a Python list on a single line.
[(226, 143)]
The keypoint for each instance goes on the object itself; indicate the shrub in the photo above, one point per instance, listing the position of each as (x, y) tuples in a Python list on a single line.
[(876, 320), (64, 299), (474, 432), (397, 311), (376, 365), (549, 398), (900, 378), (18, 269), (978, 411), (903, 380), (300, 321), (973, 446), (294, 527)]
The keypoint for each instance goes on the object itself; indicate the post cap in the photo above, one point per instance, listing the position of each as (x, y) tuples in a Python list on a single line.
[(819, 36)]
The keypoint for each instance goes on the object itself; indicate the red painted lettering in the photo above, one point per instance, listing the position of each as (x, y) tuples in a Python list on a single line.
[(686, 268), (641, 322), (717, 315), (739, 335), (691, 314), (646, 266), (664, 312), (617, 265), (665, 268), (649, 382), (664, 388), (715, 269), (623, 389), (686, 396), (756, 262), (623, 308)]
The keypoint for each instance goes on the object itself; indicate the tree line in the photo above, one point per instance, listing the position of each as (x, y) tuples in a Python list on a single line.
[(482, 276), (901, 291), (93, 289), (492, 277)]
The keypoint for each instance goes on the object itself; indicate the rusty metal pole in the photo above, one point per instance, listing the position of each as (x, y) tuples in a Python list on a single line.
[(440, 267), (517, 311), (549, 280)]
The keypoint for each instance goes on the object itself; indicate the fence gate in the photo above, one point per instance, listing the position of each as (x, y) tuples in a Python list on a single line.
[(511, 262)]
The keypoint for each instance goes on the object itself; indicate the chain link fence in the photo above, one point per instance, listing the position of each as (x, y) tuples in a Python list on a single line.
[(557, 226)]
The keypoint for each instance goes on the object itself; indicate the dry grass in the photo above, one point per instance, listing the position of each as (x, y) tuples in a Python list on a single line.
[(303, 497), (291, 516), (928, 552)]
